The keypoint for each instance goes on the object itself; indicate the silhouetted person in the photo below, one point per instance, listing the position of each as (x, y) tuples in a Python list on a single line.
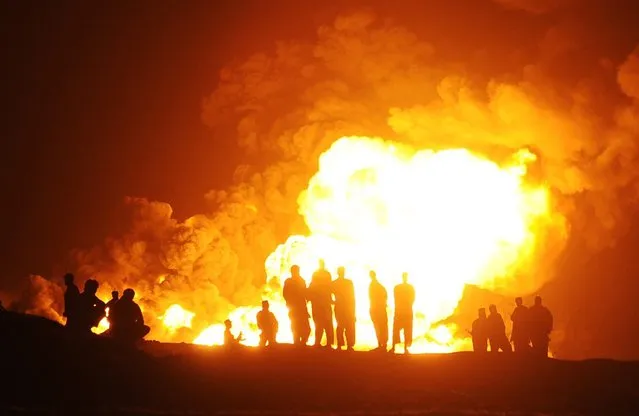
[(71, 295), (127, 322), (115, 296), (344, 292), (319, 293), (404, 294), (541, 324), (479, 332), (294, 292), (520, 336), (2, 308), (90, 310), (497, 331), (267, 324), (378, 301), (231, 340)]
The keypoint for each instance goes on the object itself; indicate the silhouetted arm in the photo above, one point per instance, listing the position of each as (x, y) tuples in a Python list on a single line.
[(352, 290), (286, 291), (259, 321)]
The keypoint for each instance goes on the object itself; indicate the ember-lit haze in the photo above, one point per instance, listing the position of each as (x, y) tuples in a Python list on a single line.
[(487, 148)]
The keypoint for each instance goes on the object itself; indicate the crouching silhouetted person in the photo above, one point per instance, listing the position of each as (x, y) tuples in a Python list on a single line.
[(231, 340), (127, 320), (71, 295), (294, 293), (115, 297), (267, 324), (89, 308), (479, 332), (497, 331), (541, 324)]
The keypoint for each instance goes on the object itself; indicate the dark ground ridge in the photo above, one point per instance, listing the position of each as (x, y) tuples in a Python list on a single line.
[(45, 371)]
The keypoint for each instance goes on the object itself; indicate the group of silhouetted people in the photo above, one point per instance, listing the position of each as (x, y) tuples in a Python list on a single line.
[(335, 299), (84, 311), (327, 296), (530, 331), (330, 299)]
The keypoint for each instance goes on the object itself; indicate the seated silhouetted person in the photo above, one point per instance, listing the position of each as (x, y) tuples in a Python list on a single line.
[(127, 322), (71, 295), (267, 324), (541, 324), (479, 332), (231, 340), (89, 308), (497, 331), (2, 308), (115, 296)]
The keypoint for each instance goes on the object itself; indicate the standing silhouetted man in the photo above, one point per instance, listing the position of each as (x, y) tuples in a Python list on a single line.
[(127, 320), (497, 331), (378, 301), (479, 332), (404, 295), (295, 296), (71, 296), (267, 324), (319, 293), (344, 292), (520, 336), (541, 324)]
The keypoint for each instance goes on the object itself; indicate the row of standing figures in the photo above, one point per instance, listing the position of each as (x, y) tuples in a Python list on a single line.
[(84, 311), (531, 326)]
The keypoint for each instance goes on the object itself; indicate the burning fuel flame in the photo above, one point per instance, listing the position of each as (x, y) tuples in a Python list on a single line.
[(177, 317), (449, 218)]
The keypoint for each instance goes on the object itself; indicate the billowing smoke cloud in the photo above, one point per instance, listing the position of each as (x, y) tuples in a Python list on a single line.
[(40, 296), (365, 76)]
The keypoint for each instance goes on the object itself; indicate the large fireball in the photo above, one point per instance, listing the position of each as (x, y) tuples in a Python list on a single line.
[(448, 218)]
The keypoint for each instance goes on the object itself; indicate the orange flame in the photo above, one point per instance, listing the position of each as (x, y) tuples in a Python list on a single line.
[(449, 218)]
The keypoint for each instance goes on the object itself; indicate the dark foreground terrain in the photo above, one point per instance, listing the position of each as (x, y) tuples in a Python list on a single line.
[(44, 371)]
